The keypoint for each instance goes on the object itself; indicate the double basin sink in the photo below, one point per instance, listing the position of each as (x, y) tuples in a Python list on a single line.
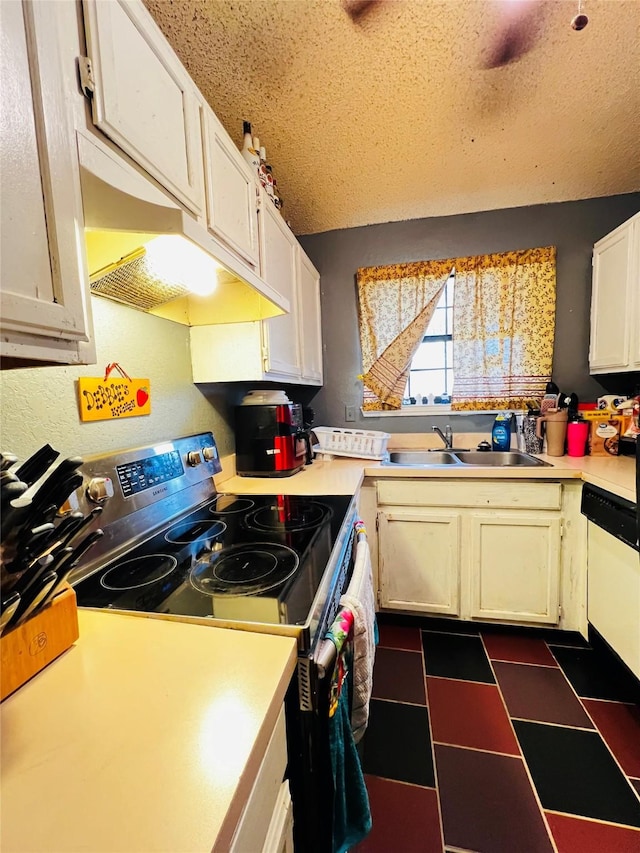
[(466, 458)]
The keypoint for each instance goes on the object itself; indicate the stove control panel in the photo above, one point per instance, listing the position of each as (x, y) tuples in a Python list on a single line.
[(143, 474)]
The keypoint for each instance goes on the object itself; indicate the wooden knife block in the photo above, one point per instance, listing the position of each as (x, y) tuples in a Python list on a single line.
[(30, 647)]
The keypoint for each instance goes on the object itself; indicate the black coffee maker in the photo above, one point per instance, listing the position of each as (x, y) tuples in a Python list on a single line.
[(271, 440)]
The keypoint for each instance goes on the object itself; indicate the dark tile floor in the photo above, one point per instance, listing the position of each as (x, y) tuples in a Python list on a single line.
[(491, 741)]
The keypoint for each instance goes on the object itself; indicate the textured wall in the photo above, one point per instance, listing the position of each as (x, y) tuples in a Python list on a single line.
[(40, 404), (571, 226)]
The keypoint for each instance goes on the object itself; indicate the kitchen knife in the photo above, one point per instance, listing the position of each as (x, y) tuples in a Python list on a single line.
[(76, 553), (36, 465), (30, 538), (50, 487), (62, 576), (12, 514), (9, 607), (31, 575), (7, 460), (86, 521), (66, 527), (65, 570), (11, 491), (34, 598), (30, 543), (52, 494)]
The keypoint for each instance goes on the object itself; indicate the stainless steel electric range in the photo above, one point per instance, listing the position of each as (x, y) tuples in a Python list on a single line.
[(174, 548)]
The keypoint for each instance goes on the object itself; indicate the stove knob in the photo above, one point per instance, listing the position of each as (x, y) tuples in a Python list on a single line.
[(194, 458), (210, 454), (100, 489)]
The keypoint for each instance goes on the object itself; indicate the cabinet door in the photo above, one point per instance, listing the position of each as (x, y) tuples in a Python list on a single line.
[(514, 566), (144, 100), (419, 560), (45, 306), (278, 249), (310, 319), (610, 300), (232, 201)]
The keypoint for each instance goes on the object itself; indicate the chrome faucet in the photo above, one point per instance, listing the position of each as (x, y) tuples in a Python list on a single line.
[(446, 436)]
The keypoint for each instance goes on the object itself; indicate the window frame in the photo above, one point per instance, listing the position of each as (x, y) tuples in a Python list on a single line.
[(448, 307)]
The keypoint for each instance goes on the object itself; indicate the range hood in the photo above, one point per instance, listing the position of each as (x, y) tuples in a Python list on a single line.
[(123, 213)]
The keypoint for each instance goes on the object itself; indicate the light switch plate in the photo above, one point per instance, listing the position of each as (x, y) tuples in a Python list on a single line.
[(350, 414)]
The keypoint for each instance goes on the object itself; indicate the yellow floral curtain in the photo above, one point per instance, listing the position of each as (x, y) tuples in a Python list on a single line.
[(396, 303), (503, 328)]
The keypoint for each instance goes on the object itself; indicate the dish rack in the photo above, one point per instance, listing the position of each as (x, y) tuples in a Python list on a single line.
[(362, 444)]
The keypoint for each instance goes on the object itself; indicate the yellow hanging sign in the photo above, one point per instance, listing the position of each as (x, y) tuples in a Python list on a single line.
[(111, 399)]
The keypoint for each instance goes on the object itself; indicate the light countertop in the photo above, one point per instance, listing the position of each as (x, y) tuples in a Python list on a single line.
[(146, 735), (344, 476)]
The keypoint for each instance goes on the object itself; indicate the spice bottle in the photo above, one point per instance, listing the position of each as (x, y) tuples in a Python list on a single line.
[(250, 153)]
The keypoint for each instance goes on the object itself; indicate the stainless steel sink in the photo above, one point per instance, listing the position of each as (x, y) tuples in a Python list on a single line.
[(498, 459), (422, 458), (478, 459)]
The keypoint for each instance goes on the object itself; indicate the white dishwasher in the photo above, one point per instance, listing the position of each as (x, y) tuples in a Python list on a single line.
[(613, 572)]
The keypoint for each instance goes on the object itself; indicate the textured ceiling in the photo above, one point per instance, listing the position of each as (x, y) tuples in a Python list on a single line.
[(393, 117)]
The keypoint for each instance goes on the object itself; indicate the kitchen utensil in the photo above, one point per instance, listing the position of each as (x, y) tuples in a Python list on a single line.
[(8, 477), (35, 597), (62, 577), (10, 491), (555, 429), (52, 493), (12, 513), (577, 435), (86, 521), (35, 466), (9, 607), (50, 487), (7, 460), (65, 529), (73, 555)]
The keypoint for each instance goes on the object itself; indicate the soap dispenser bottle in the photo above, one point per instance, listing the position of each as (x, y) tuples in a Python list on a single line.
[(501, 432)]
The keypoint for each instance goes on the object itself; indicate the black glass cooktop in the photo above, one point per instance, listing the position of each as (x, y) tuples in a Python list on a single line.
[(254, 558)]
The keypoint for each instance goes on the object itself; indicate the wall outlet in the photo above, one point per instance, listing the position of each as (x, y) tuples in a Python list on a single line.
[(350, 414)]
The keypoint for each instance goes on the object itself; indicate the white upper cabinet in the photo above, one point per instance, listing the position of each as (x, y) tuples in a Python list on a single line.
[(45, 312), (615, 301), (310, 319), (278, 262), (143, 98), (287, 348), (231, 190)]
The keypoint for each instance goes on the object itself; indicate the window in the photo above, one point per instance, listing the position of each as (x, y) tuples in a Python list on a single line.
[(504, 316), (431, 374)]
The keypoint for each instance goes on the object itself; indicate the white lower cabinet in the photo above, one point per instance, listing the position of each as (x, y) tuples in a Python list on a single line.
[(514, 566), (419, 560), (266, 823), (457, 549)]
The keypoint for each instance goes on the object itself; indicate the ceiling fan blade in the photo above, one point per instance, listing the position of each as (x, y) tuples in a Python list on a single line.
[(517, 32), (355, 9)]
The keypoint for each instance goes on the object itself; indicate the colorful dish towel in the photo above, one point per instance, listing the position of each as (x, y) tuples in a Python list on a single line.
[(360, 600), (351, 812)]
